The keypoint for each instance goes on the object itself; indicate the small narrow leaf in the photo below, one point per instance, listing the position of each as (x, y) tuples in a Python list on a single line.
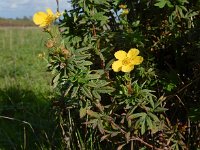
[(86, 92), (114, 134), (149, 123), (151, 102), (96, 94), (92, 84), (93, 76), (120, 147), (106, 89), (83, 112), (93, 114), (86, 63), (55, 80), (160, 109), (100, 126), (68, 89), (154, 117), (82, 49), (75, 91), (161, 3), (104, 137), (133, 116), (143, 128)]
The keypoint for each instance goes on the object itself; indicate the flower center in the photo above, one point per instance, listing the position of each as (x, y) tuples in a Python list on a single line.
[(126, 61)]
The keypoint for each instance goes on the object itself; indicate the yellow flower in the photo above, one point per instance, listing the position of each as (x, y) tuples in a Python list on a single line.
[(41, 55), (123, 6), (126, 61), (44, 19), (125, 12)]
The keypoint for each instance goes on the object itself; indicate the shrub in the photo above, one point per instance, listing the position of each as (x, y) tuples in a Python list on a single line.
[(125, 73)]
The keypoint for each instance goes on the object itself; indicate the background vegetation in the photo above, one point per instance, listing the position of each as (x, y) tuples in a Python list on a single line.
[(27, 120), (20, 22)]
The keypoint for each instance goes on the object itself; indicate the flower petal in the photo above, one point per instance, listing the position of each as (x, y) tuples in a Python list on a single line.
[(120, 55), (127, 68), (117, 65), (43, 25), (49, 11), (39, 18), (132, 53), (137, 60)]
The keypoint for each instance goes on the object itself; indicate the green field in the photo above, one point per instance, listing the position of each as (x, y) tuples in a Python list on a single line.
[(26, 117)]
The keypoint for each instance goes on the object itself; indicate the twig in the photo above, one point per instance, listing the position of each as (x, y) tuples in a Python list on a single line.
[(145, 143), (184, 87), (57, 2)]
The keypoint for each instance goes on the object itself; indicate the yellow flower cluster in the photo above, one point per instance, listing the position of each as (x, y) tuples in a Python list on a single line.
[(125, 11), (123, 6), (126, 61), (44, 19)]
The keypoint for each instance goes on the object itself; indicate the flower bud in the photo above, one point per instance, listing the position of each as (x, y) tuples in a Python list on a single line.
[(50, 43)]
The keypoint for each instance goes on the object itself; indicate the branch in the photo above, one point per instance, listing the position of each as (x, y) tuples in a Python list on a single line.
[(145, 143)]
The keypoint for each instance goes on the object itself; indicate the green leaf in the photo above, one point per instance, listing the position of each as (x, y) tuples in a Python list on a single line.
[(116, 2), (160, 101), (170, 87), (149, 122), (93, 114), (160, 109), (96, 94), (74, 92), (169, 4), (97, 83), (133, 116), (91, 84), (100, 127), (102, 83), (82, 49), (105, 89), (55, 80), (139, 122), (114, 134), (81, 57), (83, 112), (101, 2), (143, 128), (161, 3), (151, 102), (93, 76), (100, 16), (86, 92), (68, 89), (194, 113), (109, 64), (154, 117), (86, 63)]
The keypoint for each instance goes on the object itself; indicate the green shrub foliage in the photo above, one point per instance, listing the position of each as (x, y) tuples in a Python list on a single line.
[(155, 106)]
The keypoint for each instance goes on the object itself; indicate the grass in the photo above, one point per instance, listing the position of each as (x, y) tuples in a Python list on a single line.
[(19, 61), (26, 118)]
